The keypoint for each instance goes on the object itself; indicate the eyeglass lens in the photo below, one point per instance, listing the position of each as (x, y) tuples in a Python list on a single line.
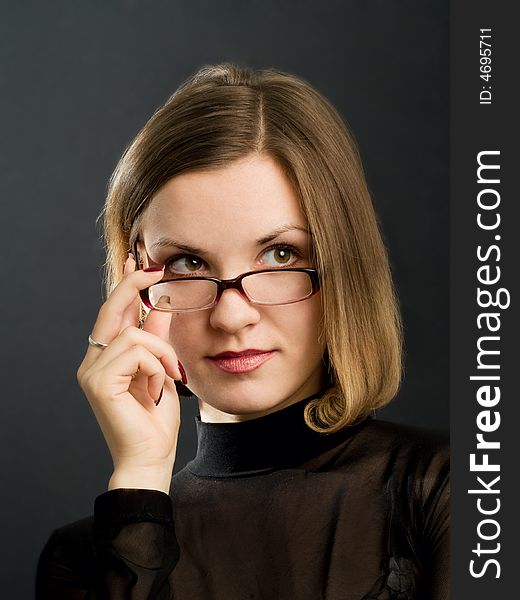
[(277, 287)]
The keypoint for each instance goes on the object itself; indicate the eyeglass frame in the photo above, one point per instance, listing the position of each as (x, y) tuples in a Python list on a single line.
[(228, 284)]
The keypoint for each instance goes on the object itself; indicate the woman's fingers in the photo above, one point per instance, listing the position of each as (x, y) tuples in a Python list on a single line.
[(126, 364), (158, 322), (111, 314), (134, 337), (132, 312)]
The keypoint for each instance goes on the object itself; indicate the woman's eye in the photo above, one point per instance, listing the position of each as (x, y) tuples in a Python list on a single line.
[(184, 264), (280, 255)]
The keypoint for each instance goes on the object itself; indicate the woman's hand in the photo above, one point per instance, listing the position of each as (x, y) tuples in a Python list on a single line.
[(124, 381)]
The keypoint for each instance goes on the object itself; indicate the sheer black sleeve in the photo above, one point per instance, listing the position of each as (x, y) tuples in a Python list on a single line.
[(126, 551)]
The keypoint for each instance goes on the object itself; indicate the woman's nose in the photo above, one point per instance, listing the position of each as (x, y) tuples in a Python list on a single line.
[(233, 311)]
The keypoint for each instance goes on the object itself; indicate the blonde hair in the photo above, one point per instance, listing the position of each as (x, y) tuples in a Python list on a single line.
[(223, 113)]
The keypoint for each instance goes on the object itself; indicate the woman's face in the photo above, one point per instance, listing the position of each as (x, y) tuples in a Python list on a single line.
[(224, 214)]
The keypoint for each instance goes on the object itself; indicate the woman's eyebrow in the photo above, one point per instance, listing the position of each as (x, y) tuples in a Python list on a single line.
[(278, 231), (167, 242)]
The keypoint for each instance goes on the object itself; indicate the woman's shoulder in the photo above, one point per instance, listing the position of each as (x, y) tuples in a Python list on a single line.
[(67, 553), (403, 439), (76, 534), (413, 463), (397, 450)]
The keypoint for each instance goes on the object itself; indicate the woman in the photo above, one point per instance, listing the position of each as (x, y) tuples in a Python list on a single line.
[(259, 279)]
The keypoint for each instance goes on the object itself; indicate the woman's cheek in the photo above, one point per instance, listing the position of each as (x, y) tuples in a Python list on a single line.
[(183, 335)]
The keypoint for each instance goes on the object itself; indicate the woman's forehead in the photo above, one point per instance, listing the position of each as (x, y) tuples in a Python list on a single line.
[(248, 198)]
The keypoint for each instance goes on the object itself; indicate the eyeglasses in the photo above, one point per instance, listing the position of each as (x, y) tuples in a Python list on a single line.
[(267, 287)]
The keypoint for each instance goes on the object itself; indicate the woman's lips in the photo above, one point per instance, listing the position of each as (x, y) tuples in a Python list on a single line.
[(243, 363)]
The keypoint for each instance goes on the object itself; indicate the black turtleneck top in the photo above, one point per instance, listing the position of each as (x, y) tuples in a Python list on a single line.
[(270, 510)]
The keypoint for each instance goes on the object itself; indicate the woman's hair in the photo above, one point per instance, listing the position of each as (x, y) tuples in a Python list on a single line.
[(223, 113)]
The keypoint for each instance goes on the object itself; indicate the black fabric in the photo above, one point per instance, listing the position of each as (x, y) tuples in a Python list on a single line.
[(269, 509), (279, 440)]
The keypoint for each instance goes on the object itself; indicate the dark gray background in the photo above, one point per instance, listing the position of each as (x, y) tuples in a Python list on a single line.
[(79, 79)]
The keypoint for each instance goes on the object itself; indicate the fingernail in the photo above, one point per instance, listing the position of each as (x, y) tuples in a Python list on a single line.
[(154, 268), (159, 399), (183, 373)]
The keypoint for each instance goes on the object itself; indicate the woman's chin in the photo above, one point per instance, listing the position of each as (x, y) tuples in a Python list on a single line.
[(233, 398)]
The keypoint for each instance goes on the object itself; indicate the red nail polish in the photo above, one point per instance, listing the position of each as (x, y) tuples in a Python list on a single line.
[(183, 373), (154, 268), (159, 399)]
